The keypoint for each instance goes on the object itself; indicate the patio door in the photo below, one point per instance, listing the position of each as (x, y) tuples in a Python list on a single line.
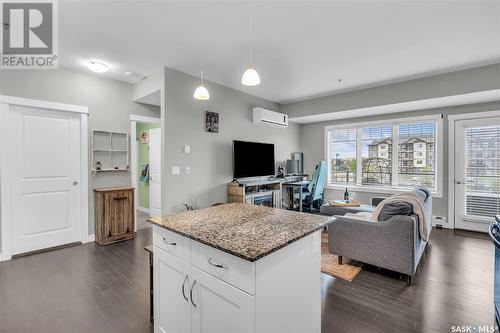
[(477, 173)]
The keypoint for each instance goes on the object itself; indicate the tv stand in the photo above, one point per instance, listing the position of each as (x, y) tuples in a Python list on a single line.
[(256, 191)]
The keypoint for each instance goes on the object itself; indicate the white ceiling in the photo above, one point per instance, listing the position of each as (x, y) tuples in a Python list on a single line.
[(299, 48)]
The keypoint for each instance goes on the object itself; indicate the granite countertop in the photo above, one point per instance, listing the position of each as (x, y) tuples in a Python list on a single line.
[(247, 231)]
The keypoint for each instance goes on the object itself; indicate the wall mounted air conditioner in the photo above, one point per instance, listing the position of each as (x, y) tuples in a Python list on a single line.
[(265, 117)]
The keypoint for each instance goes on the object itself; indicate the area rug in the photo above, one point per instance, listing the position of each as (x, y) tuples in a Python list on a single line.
[(330, 264)]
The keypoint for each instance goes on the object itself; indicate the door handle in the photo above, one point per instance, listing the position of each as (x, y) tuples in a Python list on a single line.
[(168, 243), (75, 183), (460, 182), (182, 289), (213, 263), (191, 293)]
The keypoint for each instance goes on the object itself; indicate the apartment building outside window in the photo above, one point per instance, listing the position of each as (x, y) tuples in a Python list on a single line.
[(398, 154)]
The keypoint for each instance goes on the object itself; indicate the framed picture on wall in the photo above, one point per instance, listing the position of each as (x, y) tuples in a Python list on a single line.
[(212, 122)]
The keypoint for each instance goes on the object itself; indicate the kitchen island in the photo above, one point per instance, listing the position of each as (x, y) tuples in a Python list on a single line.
[(237, 268)]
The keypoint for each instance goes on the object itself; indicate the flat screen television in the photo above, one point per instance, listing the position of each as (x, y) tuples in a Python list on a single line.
[(252, 159)]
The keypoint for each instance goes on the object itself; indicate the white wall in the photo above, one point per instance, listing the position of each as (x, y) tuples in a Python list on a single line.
[(109, 101), (148, 85), (456, 83), (210, 159)]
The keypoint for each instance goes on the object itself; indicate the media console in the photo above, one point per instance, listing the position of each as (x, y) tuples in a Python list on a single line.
[(262, 192)]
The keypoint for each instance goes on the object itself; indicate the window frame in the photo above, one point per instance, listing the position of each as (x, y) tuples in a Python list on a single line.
[(394, 122)]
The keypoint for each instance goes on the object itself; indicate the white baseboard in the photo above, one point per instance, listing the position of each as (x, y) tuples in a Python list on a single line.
[(90, 238), (144, 210)]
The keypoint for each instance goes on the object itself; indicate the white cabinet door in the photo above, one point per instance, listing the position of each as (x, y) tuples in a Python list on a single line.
[(155, 172), (220, 307), (172, 308), (43, 166)]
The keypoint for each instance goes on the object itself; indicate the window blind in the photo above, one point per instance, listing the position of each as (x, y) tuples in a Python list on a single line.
[(482, 171)]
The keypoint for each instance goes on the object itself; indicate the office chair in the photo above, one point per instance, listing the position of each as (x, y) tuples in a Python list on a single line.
[(312, 197)]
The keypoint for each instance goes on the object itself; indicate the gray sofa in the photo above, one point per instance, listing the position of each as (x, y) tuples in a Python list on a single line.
[(394, 244)]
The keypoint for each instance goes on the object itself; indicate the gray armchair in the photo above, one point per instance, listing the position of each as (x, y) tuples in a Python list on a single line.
[(394, 244)]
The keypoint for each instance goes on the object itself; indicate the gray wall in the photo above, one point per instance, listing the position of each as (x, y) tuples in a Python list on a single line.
[(210, 158), (313, 145), (109, 101), (456, 83)]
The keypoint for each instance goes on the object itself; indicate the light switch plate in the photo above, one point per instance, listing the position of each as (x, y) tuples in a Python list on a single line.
[(187, 149), (176, 171), (188, 170)]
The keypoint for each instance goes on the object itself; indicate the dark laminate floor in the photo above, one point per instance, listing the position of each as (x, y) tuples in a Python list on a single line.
[(453, 285), (85, 288), (105, 289)]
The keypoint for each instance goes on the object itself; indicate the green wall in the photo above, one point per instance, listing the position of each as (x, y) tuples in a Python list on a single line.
[(143, 158)]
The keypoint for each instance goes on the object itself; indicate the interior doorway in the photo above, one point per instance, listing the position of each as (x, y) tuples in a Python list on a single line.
[(146, 168)]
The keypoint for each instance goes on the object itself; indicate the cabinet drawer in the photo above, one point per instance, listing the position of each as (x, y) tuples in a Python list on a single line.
[(231, 269), (173, 243)]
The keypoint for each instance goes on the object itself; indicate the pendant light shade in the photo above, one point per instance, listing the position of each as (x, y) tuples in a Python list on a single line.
[(250, 77), (201, 93)]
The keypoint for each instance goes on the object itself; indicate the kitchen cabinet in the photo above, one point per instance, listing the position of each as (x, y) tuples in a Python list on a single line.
[(190, 300), (172, 305), (220, 307), (199, 288)]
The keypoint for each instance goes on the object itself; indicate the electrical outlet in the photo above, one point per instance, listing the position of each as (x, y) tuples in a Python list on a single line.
[(188, 170)]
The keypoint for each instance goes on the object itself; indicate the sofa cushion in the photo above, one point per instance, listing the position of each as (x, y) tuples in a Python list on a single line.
[(395, 208), (422, 192)]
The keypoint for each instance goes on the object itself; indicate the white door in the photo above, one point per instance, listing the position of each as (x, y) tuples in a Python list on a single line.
[(220, 307), (477, 173), (43, 167), (171, 293), (155, 172)]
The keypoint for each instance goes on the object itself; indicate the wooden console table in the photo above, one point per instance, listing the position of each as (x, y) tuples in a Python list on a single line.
[(114, 214)]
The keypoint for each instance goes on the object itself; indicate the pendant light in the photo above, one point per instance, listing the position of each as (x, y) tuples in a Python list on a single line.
[(250, 77), (201, 93)]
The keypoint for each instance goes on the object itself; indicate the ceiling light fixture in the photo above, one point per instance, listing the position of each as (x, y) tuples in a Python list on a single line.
[(97, 67), (201, 93), (250, 77)]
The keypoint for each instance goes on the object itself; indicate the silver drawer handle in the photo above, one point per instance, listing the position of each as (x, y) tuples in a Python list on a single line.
[(182, 289), (167, 242), (211, 262), (191, 293)]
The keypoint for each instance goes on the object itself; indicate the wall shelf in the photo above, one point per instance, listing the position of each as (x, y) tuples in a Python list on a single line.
[(112, 150)]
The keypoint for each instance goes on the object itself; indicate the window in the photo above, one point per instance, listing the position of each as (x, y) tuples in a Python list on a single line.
[(376, 159), (342, 165), (392, 154), (418, 140)]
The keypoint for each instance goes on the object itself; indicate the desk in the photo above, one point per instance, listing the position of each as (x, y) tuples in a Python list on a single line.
[(300, 185)]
